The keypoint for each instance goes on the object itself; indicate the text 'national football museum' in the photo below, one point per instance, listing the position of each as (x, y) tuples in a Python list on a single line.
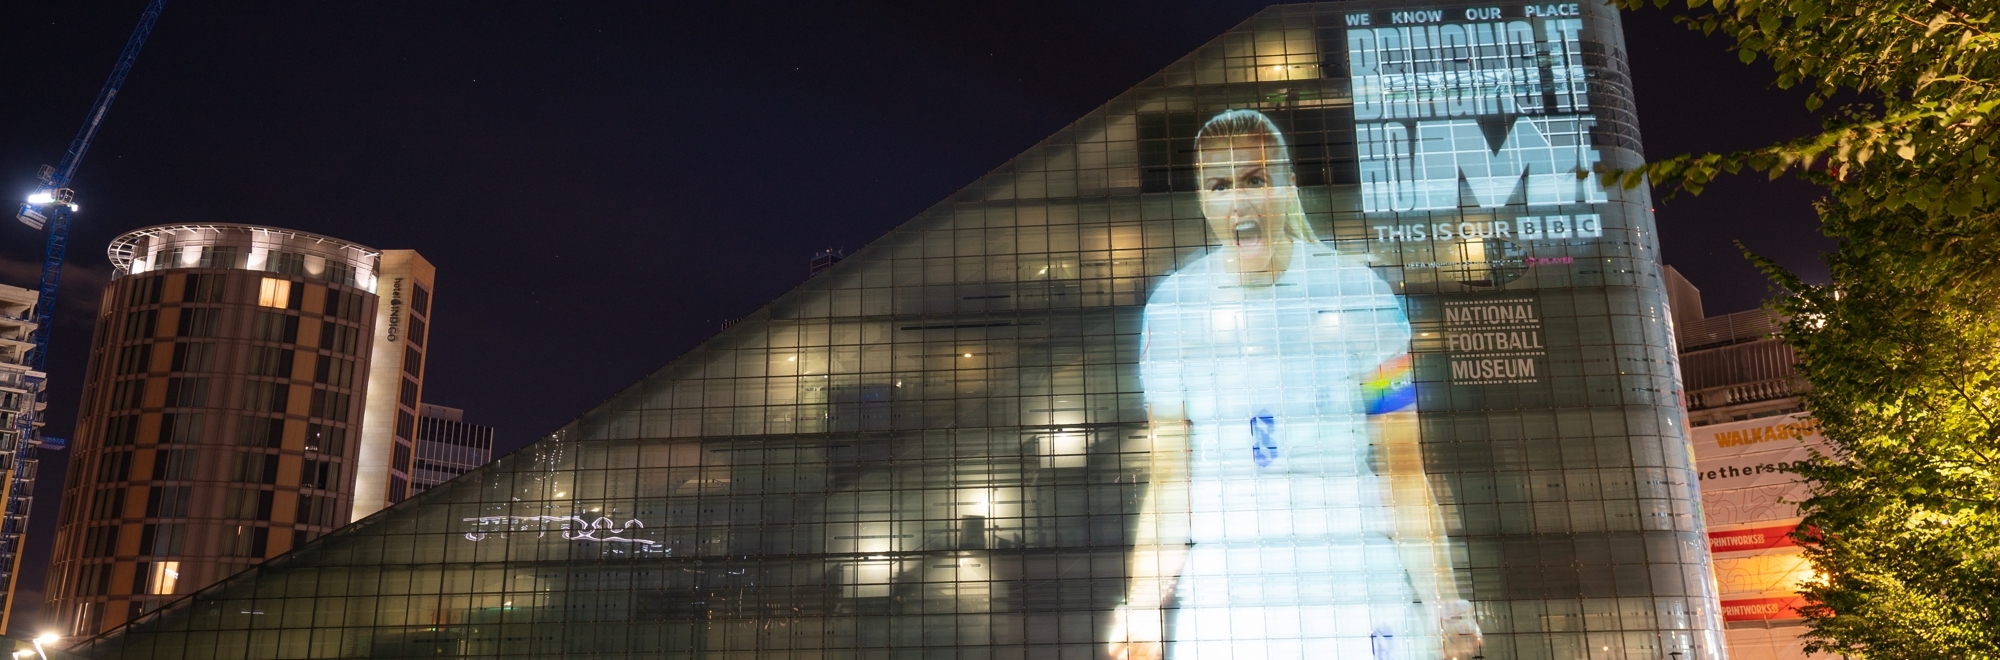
[(1315, 344)]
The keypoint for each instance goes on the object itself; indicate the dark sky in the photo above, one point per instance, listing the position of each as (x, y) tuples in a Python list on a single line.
[(600, 186)]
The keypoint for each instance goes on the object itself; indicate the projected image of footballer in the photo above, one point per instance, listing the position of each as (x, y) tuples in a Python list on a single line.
[(1277, 376)]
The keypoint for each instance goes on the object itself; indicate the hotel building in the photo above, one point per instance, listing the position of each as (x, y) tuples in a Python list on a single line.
[(222, 420)]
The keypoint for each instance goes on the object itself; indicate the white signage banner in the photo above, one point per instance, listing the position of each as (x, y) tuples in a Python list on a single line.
[(1754, 452)]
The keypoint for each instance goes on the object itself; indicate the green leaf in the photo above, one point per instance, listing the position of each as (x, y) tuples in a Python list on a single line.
[(1746, 55)]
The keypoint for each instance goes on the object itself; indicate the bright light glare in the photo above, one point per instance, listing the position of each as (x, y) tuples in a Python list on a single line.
[(47, 638), (41, 198)]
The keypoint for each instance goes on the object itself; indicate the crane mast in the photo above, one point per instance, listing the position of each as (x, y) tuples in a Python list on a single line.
[(52, 203)]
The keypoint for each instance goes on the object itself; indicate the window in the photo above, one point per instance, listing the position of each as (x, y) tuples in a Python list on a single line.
[(193, 356), (409, 394), (243, 504), (182, 427), (335, 371), (168, 501), (339, 338), (121, 430), (247, 541), (139, 324), (260, 432), (401, 460), (100, 541), (115, 467), (265, 397), (274, 293), (135, 359), (219, 256), (288, 263), (204, 287), (147, 291), (270, 326), (161, 539), (413, 362), (257, 468), (323, 474), (268, 361), (329, 405), (339, 273), (89, 617), (199, 322), (344, 305), (187, 392), (174, 464), (420, 300), (108, 504), (406, 425), (162, 577), (127, 394), (416, 333), (316, 510), (95, 580), (329, 440)]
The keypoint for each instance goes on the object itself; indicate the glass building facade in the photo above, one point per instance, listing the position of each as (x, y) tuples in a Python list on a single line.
[(1313, 344)]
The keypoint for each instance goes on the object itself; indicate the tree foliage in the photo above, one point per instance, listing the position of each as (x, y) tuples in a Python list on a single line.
[(1901, 523), (1902, 348), (1925, 135)]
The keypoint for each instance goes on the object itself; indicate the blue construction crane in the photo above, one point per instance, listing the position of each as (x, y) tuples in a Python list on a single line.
[(53, 202)]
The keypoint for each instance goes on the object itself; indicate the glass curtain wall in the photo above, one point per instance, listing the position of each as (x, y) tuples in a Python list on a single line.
[(1310, 345)]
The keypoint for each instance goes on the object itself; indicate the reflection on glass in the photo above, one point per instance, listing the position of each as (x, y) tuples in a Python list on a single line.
[(1277, 378)]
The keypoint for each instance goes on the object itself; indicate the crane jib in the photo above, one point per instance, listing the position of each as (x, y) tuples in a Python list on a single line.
[(55, 212)]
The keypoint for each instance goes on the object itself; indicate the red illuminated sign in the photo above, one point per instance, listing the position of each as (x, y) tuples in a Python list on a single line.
[(1762, 609), (1756, 538)]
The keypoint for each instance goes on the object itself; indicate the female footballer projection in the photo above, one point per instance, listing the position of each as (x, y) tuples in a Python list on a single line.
[(1277, 375)]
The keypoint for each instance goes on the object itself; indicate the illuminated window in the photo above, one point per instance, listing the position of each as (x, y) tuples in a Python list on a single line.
[(165, 575), (274, 293)]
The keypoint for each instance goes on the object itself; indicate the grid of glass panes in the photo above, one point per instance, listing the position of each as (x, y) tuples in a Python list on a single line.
[(939, 447)]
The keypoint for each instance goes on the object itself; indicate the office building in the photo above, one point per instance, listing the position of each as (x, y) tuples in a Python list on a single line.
[(222, 415), (1311, 345), (447, 446), (21, 406), (1747, 424)]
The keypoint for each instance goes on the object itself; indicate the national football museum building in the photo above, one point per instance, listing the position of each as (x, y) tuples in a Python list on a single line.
[(1319, 343)]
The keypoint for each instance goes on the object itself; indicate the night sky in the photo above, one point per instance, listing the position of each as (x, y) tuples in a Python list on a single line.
[(600, 187)]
